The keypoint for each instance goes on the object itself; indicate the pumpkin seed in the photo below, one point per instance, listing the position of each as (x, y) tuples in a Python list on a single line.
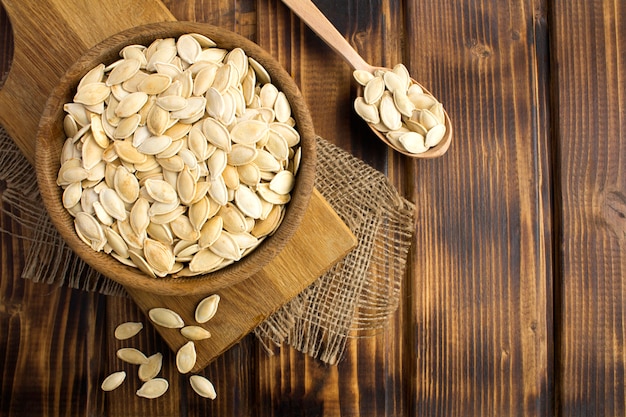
[(158, 255), (166, 318), (202, 386), (92, 94), (150, 369), (132, 356), (113, 381), (188, 48), (368, 112), (204, 261), (127, 330), (124, 69), (195, 333), (153, 388), (374, 90), (206, 308), (186, 357), (154, 84)]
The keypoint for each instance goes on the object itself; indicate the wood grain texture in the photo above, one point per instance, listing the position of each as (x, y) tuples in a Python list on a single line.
[(25, 90), (513, 299), (50, 341), (588, 61), (355, 386), (482, 261)]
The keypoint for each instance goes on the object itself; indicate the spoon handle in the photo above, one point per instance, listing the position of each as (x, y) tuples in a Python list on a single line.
[(315, 19)]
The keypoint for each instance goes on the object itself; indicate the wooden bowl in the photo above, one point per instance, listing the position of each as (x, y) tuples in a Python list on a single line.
[(51, 136)]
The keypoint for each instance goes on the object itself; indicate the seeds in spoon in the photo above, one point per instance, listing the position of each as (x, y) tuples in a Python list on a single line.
[(392, 103)]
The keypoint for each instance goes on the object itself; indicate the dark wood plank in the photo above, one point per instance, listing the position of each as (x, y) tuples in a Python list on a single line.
[(473, 332), (588, 60), (6, 40), (478, 320), (370, 379), (49, 341)]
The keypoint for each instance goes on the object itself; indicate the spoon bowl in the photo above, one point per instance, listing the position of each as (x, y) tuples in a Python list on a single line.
[(315, 19), (433, 152)]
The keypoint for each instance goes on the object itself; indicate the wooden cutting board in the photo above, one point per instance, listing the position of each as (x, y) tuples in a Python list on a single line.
[(49, 35)]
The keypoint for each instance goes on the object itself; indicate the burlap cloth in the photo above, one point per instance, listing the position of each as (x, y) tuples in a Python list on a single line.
[(357, 296)]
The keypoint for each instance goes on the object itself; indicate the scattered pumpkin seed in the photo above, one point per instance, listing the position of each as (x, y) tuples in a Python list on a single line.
[(153, 388), (132, 356), (113, 381), (127, 330), (186, 357), (207, 308), (202, 386), (166, 318)]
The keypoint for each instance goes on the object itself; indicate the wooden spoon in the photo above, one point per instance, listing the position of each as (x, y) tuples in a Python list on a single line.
[(315, 19)]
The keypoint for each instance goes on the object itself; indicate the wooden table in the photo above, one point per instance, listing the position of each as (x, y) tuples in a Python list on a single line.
[(513, 302)]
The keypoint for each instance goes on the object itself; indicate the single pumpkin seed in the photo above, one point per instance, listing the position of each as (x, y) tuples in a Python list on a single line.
[(151, 369), (154, 83), (282, 107), (127, 330), (368, 112), (165, 317), (92, 94), (186, 357), (158, 255), (206, 308), (131, 104), (202, 386), (124, 69), (155, 145), (132, 356), (204, 261), (188, 48), (153, 388), (362, 77), (413, 142), (161, 191), (435, 134), (283, 182), (374, 90), (195, 333), (249, 202), (113, 381)]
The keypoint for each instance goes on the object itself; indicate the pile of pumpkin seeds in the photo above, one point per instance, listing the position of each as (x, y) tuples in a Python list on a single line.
[(150, 367), (393, 104), (180, 156)]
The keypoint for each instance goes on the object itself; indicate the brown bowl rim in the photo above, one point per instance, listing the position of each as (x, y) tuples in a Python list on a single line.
[(47, 153)]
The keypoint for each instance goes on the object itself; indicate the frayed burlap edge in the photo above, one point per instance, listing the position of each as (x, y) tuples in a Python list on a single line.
[(361, 291), (357, 294)]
